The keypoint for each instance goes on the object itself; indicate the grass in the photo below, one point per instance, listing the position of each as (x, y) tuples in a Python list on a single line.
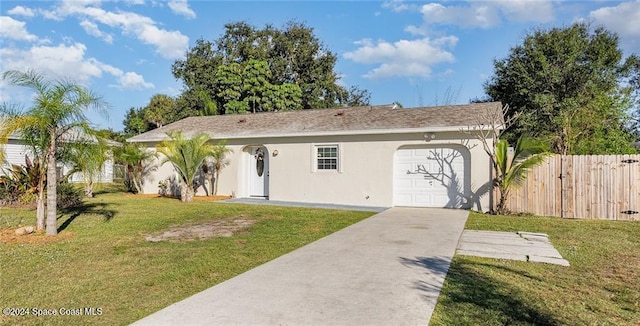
[(602, 286), (105, 262)]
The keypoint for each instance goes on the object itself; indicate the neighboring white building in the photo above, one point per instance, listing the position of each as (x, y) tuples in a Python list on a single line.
[(15, 152), (371, 156)]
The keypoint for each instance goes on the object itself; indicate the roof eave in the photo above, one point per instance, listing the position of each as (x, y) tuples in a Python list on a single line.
[(325, 133)]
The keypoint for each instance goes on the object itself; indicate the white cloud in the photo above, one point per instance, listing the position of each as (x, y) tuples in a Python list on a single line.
[(14, 29), (483, 14), (56, 61), (464, 16), (169, 44), (131, 80), (67, 61), (624, 19), (21, 11), (526, 10), (181, 7), (126, 80), (396, 5), (92, 29), (404, 57)]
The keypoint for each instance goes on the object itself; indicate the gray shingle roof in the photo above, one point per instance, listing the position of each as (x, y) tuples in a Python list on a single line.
[(335, 121)]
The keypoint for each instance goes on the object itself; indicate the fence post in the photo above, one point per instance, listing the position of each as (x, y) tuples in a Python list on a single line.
[(563, 186)]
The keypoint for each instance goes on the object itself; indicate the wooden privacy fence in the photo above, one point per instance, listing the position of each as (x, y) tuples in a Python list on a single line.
[(603, 187)]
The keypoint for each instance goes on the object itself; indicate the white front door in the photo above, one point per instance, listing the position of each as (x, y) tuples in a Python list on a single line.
[(259, 172), (429, 177)]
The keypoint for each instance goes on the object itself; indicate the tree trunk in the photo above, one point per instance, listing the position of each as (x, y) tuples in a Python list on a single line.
[(88, 189), (40, 206), (186, 193), (215, 183), (500, 209), (137, 178), (209, 180), (52, 221)]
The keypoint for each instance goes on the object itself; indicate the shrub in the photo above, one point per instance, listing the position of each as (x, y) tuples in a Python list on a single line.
[(68, 195), (19, 184)]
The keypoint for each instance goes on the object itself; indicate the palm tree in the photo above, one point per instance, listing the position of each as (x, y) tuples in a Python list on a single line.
[(186, 156), (220, 150), (36, 140), (87, 157), (136, 158), (511, 173), (159, 108), (58, 109)]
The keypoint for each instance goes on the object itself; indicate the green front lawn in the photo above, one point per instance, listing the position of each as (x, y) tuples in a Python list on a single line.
[(102, 259), (602, 286)]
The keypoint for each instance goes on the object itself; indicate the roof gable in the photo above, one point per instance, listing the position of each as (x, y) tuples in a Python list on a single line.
[(335, 121)]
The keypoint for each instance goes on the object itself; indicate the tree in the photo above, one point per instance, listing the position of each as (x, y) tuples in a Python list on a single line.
[(220, 151), (511, 173), (87, 156), (135, 122), (566, 84), (634, 81), (186, 155), (136, 159), (36, 139), (507, 173), (58, 110), (293, 56), (160, 109)]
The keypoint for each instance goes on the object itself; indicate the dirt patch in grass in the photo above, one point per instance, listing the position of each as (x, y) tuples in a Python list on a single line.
[(202, 231), (9, 236)]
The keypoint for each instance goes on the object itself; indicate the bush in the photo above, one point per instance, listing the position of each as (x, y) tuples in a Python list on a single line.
[(19, 184), (68, 195)]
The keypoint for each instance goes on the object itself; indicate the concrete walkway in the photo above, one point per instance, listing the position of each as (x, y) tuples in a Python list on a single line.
[(385, 270), (525, 246)]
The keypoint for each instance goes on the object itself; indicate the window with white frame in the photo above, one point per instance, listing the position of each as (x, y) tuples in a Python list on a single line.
[(327, 157)]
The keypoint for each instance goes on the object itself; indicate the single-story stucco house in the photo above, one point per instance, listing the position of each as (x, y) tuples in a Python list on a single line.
[(379, 156)]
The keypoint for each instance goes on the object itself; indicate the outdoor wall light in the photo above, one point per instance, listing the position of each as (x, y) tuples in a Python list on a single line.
[(428, 136)]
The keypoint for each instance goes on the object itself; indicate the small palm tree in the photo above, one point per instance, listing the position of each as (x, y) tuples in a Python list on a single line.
[(59, 107), (186, 155), (220, 151), (136, 158), (88, 158), (511, 173)]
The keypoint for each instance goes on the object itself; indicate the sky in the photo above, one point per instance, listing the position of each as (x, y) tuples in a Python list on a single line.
[(416, 53)]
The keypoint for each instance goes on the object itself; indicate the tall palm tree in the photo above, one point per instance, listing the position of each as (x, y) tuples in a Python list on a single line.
[(512, 171), (58, 108), (220, 151), (186, 155)]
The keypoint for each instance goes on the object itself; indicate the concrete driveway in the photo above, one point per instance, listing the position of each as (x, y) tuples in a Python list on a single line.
[(385, 270)]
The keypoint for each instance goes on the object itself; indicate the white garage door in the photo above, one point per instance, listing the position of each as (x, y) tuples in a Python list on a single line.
[(429, 177)]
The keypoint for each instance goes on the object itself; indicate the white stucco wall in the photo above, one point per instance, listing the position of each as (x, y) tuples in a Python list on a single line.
[(15, 152), (365, 176)]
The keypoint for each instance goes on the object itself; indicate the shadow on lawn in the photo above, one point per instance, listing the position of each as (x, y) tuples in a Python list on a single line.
[(429, 287), (492, 299), (86, 208)]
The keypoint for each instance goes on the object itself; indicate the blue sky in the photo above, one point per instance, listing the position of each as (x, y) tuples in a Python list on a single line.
[(417, 53)]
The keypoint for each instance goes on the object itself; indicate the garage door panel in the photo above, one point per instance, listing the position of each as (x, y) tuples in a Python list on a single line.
[(421, 184), (422, 199), (428, 183)]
